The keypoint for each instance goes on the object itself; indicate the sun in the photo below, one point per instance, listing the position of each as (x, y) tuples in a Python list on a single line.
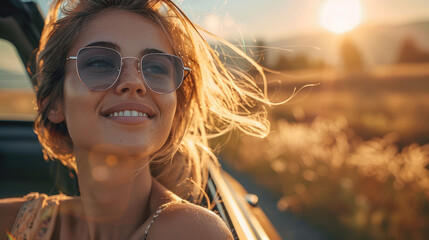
[(340, 16)]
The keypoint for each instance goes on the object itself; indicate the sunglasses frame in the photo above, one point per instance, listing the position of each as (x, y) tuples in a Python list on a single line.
[(122, 63)]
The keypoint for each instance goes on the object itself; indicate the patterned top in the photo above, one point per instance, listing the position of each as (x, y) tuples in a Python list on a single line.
[(37, 216)]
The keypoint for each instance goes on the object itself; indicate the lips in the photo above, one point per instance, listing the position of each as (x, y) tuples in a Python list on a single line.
[(124, 110)]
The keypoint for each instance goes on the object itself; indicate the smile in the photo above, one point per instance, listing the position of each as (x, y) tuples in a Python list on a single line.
[(128, 113)]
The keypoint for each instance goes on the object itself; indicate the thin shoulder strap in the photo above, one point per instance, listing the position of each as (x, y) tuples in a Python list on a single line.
[(36, 217), (160, 209)]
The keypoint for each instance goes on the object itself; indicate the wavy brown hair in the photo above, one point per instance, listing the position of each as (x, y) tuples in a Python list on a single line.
[(212, 100)]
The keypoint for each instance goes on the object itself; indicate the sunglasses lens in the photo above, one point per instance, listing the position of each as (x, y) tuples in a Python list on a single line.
[(163, 73), (98, 67)]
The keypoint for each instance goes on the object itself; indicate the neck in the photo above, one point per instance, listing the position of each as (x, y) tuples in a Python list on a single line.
[(115, 194)]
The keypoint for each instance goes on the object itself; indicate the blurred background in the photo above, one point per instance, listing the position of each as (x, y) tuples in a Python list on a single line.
[(348, 157)]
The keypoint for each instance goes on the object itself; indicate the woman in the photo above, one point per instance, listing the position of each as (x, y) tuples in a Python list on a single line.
[(128, 95)]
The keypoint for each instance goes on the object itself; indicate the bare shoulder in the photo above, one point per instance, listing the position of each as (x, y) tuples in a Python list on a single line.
[(189, 221), (9, 208)]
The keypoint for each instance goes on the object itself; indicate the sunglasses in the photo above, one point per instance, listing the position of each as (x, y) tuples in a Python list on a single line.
[(99, 69)]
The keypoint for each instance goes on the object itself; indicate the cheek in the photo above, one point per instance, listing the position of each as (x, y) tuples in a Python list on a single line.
[(80, 105), (170, 107)]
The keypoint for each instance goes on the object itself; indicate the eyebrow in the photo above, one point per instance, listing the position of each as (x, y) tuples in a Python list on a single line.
[(104, 44), (117, 48), (151, 50)]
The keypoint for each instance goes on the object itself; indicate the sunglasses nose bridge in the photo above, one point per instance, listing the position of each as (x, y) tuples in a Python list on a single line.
[(138, 60)]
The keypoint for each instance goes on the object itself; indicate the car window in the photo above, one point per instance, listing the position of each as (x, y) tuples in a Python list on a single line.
[(16, 92)]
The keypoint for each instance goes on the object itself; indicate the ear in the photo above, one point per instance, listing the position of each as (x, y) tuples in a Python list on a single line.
[(56, 114)]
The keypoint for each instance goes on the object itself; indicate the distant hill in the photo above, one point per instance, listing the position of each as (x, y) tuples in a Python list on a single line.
[(379, 45)]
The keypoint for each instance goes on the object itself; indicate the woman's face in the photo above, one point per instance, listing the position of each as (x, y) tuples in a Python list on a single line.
[(88, 114)]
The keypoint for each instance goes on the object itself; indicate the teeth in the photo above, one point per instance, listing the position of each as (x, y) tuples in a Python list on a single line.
[(128, 113)]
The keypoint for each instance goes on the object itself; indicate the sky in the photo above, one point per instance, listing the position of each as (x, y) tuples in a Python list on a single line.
[(280, 18), (284, 18)]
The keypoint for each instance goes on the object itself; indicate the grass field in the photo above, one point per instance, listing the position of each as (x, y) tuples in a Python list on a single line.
[(374, 103), (350, 156)]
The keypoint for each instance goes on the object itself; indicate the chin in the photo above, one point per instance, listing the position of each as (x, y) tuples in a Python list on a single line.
[(124, 150)]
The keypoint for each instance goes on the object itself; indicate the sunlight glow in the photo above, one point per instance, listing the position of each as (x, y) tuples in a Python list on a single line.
[(340, 16)]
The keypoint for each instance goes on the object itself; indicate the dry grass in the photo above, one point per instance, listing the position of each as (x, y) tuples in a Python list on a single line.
[(351, 155), (375, 102)]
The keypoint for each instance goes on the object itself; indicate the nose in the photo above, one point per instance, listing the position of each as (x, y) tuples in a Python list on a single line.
[(130, 78)]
